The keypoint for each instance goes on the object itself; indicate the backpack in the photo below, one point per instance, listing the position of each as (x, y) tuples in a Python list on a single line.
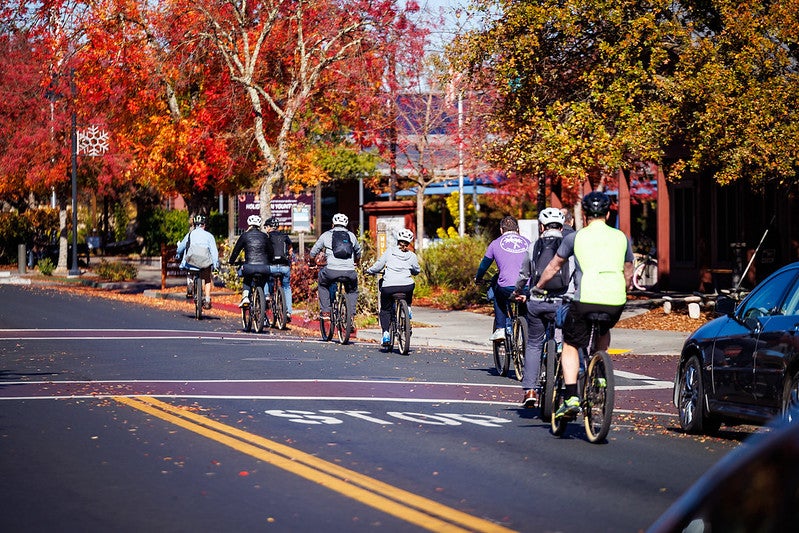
[(280, 247), (342, 245), (543, 252)]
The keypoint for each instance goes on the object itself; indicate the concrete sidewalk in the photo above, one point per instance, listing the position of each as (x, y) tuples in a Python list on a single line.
[(459, 330)]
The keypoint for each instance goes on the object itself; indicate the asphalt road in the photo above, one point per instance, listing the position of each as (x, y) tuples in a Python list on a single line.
[(121, 417)]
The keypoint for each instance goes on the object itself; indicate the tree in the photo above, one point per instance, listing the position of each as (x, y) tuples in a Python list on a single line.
[(588, 87)]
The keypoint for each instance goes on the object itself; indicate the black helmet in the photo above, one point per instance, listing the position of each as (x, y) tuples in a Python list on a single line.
[(199, 220), (596, 204), (272, 222)]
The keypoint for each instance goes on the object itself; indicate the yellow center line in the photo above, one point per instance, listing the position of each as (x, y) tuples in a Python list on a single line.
[(402, 504)]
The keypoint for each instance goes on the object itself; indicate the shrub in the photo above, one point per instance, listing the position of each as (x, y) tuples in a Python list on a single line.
[(116, 271), (46, 266), (452, 263)]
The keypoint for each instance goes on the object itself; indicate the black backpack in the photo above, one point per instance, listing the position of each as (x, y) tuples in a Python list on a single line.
[(280, 246), (342, 245), (543, 251)]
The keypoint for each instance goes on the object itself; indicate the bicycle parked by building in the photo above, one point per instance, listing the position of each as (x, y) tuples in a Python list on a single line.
[(645, 271), (595, 381)]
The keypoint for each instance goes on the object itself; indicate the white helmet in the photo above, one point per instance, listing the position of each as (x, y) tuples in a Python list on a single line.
[(405, 235), (551, 215), (340, 219), (254, 220)]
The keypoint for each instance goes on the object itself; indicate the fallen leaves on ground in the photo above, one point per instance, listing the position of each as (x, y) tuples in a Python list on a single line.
[(656, 319)]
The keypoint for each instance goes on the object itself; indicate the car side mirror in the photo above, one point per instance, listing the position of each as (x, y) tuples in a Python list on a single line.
[(725, 306)]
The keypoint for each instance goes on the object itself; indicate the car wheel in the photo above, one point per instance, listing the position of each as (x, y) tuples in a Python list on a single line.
[(693, 418), (790, 399)]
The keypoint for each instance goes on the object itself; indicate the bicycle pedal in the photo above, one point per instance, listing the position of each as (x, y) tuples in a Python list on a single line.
[(601, 382)]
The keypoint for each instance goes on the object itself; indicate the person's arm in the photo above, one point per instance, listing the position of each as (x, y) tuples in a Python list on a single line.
[(356, 246), (524, 275), (236, 249), (270, 250), (628, 274), (481, 270), (182, 244), (214, 251), (379, 265), (318, 245), (415, 269)]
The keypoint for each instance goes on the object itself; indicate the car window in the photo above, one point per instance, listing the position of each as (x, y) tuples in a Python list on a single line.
[(767, 297), (791, 304)]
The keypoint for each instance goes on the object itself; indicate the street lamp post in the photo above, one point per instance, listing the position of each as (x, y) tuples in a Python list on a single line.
[(74, 271)]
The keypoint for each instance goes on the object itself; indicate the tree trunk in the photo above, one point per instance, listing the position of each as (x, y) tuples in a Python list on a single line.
[(61, 269)]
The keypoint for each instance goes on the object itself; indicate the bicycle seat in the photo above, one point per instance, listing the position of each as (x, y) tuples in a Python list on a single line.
[(399, 295), (598, 316)]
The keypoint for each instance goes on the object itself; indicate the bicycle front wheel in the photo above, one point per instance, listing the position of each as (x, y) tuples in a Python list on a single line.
[(547, 378), (598, 397), (645, 275), (280, 307), (198, 298), (519, 345), (246, 319), (343, 319), (403, 327), (258, 308)]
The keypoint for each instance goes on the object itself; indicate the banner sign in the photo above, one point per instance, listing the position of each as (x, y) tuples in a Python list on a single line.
[(282, 208)]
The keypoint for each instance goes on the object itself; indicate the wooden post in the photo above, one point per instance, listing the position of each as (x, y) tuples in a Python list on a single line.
[(163, 266), (664, 230)]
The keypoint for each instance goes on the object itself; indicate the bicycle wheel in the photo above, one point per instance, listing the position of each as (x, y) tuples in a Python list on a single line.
[(645, 275), (403, 327), (258, 306), (198, 298), (519, 345), (558, 426), (326, 326), (343, 319), (279, 300), (598, 397), (246, 318), (501, 357), (269, 308), (549, 356)]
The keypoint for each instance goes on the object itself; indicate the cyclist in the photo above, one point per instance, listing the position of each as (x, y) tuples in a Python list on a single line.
[(508, 250), (551, 223), (400, 264), (281, 261), (257, 256), (604, 267), (199, 243), (341, 250)]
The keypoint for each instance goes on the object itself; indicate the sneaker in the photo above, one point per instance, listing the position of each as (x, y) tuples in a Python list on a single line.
[(530, 399), (324, 315), (245, 302), (386, 338), (207, 304), (569, 409), (410, 313), (498, 335), (288, 318)]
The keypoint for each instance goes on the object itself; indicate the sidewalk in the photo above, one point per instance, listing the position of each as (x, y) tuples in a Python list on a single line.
[(459, 330)]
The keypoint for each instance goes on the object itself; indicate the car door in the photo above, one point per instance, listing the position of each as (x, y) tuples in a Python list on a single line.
[(779, 341), (736, 345)]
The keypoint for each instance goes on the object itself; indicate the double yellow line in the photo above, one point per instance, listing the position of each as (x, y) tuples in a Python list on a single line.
[(402, 504)]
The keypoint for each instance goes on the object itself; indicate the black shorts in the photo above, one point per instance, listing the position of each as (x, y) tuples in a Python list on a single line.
[(577, 329)]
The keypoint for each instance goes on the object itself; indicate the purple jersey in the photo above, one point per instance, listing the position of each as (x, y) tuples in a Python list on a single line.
[(508, 251)]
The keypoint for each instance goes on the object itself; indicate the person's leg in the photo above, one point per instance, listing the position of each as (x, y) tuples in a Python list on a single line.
[(205, 275), (536, 312), (324, 292), (351, 286), (386, 307), (286, 283)]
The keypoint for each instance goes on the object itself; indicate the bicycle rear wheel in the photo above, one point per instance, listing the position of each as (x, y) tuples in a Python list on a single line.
[(645, 275), (403, 327), (598, 397), (258, 308), (280, 307), (343, 319), (198, 298), (547, 378), (519, 345), (558, 425)]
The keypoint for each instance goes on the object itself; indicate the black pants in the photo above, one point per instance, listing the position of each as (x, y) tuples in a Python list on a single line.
[(387, 301)]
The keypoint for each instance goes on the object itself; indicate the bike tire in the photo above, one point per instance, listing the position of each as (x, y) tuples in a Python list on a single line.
[(326, 326), (501, 357), (557, 425), (550, 357), (344, 320), (280, 307), (519, 345), (403, 327), (598, 397), (645, 276), (269, 308), (198, 298), (246, 319), (258, 310)]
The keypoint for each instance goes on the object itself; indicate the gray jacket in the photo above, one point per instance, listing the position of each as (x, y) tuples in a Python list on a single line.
[(399, 265), (325, 243)]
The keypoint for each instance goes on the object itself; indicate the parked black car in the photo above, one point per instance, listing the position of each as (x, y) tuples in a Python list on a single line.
[(743, 367)]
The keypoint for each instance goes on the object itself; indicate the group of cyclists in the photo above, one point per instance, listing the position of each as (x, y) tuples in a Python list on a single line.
[(592, 266)]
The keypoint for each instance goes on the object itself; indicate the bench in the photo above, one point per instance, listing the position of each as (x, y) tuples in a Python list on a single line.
[(170, 264)]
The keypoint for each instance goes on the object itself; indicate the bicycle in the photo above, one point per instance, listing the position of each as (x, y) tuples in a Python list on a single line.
[(197, 292), (549, 355), (277, 313), (400, 326), (340, 317), (513, 345), (256, 313), (596, 384), (645, 272)]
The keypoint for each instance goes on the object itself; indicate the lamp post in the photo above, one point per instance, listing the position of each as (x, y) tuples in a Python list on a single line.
[(74, 271), (461, 206)]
